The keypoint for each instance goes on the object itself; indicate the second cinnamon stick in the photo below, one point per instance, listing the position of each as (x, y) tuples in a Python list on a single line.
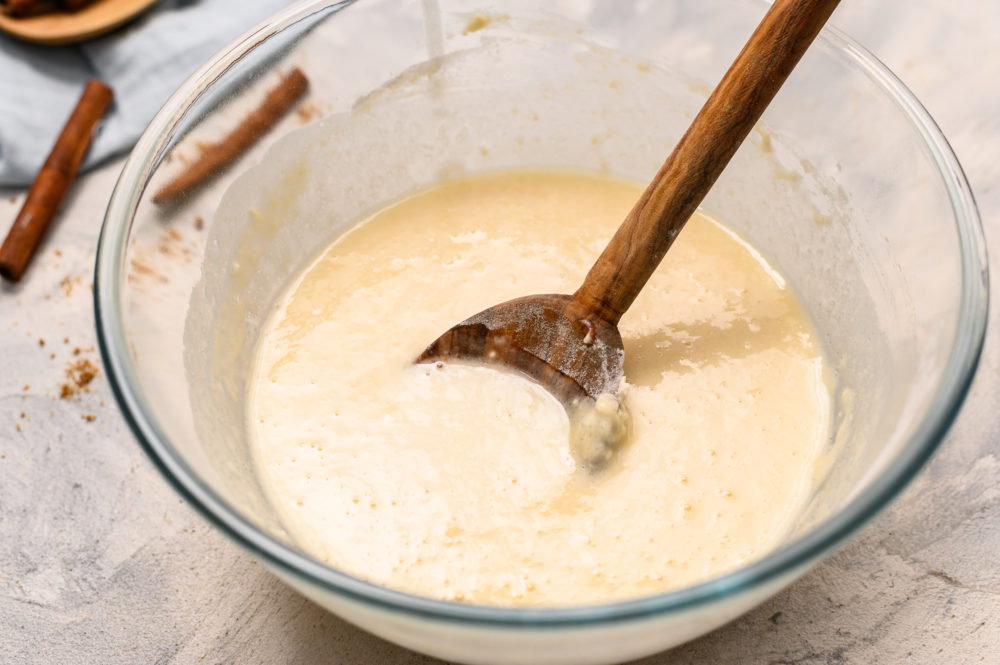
[(277, 102)]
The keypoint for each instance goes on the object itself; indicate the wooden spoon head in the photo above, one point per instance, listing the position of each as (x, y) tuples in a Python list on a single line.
[(553, 339)]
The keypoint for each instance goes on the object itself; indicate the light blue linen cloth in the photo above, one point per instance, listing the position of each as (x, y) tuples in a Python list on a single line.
[(143, 62)]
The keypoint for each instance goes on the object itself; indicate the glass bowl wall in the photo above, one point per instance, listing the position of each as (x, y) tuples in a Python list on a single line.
[(847, 187)]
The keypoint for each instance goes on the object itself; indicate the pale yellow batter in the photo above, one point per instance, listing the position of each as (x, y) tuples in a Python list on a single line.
[(458, 482)]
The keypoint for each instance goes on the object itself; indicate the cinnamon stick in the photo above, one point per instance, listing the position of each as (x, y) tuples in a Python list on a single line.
[(275, 105), (47, 192)]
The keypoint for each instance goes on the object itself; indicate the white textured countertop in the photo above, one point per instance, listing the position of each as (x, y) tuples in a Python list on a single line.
[(101, 562)]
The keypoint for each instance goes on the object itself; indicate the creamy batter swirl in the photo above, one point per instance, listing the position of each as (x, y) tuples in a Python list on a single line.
[(458, 482)]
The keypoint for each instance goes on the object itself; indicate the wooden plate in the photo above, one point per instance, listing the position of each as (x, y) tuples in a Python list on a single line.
[(66, 27)]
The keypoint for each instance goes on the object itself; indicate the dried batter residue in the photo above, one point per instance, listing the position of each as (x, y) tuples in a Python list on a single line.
[(481, 21)]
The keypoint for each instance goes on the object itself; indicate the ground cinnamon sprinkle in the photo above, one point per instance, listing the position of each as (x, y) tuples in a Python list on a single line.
[(68, 283), (139, 267), (89, 417), (79, 375), (308, 112)]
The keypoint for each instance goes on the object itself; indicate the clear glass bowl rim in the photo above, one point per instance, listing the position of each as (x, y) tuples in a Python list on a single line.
[(793, 556)]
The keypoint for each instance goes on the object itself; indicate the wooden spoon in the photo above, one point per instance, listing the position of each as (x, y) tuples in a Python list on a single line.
[(570, 344), (66, 27)]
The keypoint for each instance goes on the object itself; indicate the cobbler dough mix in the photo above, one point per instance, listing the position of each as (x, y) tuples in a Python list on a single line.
[(457, 482)]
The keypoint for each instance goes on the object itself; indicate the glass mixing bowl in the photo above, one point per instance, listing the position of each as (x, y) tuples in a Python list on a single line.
[(847, 187)]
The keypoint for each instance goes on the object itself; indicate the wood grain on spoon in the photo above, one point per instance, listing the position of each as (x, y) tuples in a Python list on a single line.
[(571, 344)]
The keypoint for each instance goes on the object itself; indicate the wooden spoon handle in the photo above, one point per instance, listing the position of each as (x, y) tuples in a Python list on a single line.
[(702, 153)]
